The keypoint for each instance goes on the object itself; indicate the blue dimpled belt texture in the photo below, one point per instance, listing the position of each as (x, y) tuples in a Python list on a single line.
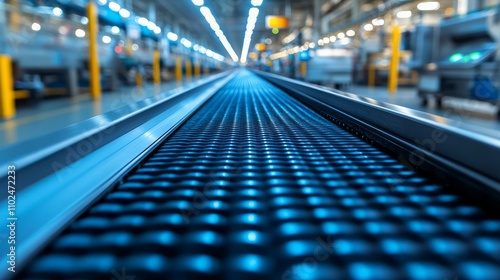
[(256, 185)]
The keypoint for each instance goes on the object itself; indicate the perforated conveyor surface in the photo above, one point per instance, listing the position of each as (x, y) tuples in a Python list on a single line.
[(256, 185)]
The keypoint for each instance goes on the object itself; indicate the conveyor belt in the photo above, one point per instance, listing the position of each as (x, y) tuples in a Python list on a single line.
[(256, 185)]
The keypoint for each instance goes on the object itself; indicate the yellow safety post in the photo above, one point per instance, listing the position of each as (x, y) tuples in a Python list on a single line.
[(371, 75), (303, 69), (197, 69), (128, 48), (394, 67), (138, 79), (7, 103), (156, 67), (189, 69), (178, 69), (95, 75)]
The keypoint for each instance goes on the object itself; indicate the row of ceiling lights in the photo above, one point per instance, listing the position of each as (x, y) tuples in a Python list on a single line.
[(252, 19), (205, 11)]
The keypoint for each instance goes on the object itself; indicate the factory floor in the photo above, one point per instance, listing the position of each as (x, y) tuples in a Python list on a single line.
[(54, 113), (32, 121)]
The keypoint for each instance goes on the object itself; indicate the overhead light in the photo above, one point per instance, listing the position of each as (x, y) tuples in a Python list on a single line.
[(326, 40), (115, 29), (378, 22), (333, 39), (36, 26), (172, 36), (198, 2), (106, 39), (210, 53), (142, 21), (253, 13), (84, 20), (320, 42), (80, 33), (135, 47), (102, 2), (205, 11), (124, 13), (256, 2), (341, 35), (404, 14), (186, 43), (203, 50), (350, 33), (57, 11), (151, 25), (345, 41), (113, 6), (196, 47), (428, 6), (368, 27), (312, 45), (157, 30)]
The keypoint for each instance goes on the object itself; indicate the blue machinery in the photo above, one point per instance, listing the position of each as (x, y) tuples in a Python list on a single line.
[(255, 176)]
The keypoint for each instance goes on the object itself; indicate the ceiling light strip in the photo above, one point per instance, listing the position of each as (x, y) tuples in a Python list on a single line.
[(252, 19)]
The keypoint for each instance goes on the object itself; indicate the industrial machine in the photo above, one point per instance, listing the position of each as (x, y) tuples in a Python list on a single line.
[(459, 58), (331, 67)]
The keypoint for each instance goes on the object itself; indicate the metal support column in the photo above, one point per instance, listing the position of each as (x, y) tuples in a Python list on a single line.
[(394, 66), (95, 75)]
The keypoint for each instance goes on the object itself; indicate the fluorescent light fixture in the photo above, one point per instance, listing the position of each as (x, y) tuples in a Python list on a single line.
[(36, 26), (404, 14), (203, 50), (198, 2), (80, 33), (84, 20), (102, 2), (143, 21), (113, 6), (350, 33), (186, 43), (256, 2), (106, 39), (205, 11), (341, 35), (378, 22), (312, 45), (124, 13), (196, 47), (151, 25), (333, 39), (326, 40), (157, 30), (210, 53), (172, 36), (368, 27), (57, 11), (428, 6), (115, 29), (253, 13), (320, 42)]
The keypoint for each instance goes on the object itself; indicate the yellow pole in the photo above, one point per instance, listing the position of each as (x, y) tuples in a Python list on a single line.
[(189, 69), (303, 69), (394, 67), (95, 76), (7, 103), (197, 69), (138, 79), (178, 69), (371, 75), (156, 67)]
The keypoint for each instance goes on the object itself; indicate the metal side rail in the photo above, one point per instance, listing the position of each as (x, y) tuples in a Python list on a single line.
[(453, 153), (58, 176), (256, 185)]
